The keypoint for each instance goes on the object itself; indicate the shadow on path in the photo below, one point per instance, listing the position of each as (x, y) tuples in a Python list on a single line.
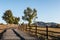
[(1, 34), (21, 38)]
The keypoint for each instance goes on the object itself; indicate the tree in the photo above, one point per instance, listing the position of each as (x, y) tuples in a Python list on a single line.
[(29, 15), (9, 18), (16, 20)]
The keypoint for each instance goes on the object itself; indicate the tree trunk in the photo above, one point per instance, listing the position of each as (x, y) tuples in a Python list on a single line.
[(29, 27)]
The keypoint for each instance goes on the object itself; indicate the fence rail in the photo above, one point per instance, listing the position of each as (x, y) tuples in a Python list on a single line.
[(53, 33)]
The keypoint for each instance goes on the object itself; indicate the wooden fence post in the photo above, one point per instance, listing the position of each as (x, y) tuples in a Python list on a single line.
[(29, 29), (26, 27), (46, 32), (36, 31)]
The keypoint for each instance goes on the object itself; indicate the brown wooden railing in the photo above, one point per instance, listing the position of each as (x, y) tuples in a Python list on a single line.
[(39, 31)]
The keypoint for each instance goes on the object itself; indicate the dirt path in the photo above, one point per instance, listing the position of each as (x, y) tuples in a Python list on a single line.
[(9, 34)]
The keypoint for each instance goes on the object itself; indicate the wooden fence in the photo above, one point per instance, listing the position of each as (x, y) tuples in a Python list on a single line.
[(49, 33)]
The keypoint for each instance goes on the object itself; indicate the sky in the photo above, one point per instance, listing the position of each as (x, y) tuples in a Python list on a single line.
[(47, 10)]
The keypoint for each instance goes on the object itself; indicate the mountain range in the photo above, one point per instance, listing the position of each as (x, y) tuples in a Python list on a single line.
[(43, 24)]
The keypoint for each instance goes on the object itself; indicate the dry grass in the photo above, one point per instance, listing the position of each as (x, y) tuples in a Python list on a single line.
[(2, 27), (49, 29)]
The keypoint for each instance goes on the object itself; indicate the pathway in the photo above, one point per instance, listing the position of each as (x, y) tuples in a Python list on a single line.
[(9, 34)]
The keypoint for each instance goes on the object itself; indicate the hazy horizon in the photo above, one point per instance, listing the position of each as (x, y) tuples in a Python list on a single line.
[(47, 10)]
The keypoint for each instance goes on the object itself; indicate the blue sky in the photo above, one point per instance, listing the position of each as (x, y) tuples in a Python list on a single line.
[(47, 10)]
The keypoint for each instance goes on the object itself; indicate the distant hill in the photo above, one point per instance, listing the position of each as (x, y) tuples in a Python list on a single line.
[(43, 24)]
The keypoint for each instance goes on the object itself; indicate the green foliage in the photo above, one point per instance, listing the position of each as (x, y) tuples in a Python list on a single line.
[(16, 20), (9, 18), (29, 14)]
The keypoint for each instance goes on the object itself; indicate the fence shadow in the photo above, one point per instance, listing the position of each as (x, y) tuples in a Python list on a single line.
[(1, 34)]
